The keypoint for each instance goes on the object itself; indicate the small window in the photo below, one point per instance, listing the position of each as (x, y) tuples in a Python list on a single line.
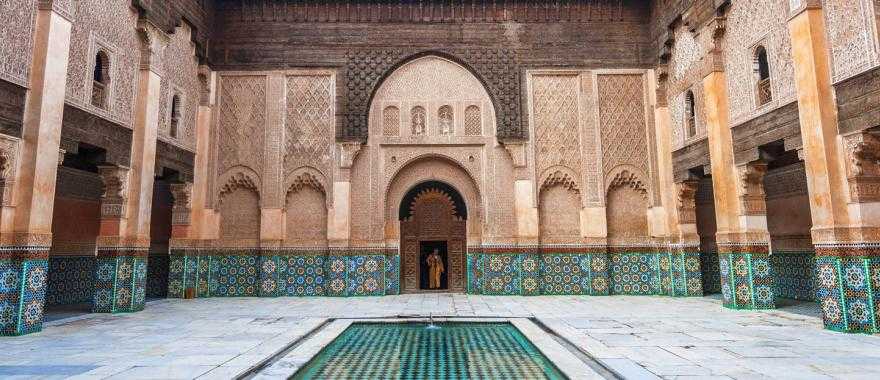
[(690, 114), (473, 125), (446, 117), (101, 79), (174, 125), (419, 120), (391, 121), (762, 70)]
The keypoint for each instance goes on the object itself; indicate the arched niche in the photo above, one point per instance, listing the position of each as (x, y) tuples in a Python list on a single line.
[(441, 89)]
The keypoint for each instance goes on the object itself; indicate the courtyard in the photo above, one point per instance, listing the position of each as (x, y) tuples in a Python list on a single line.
[(631, 337)]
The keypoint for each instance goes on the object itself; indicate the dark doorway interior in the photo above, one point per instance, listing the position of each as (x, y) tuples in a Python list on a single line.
[(425, 249)]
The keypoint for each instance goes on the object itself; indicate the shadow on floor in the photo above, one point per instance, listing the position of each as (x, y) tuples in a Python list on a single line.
[(56, 312), (800, 307)]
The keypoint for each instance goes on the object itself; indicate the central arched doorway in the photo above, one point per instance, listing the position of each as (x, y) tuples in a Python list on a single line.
[(433, 219)]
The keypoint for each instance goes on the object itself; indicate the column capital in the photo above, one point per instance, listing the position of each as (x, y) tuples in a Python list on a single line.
[(153, 42), (863, 166), (686, 199), (115, 181), (64, 8), (715, 56), (751, 181), (796, 7), (348, 151)]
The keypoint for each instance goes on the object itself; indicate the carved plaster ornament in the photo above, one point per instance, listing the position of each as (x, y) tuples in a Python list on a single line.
[(687, 192), (347, 152), (236, 181), (628, 179), (863, 151), (182, 194), (751, 178), (561, 178), (115, 181), (306, 179)]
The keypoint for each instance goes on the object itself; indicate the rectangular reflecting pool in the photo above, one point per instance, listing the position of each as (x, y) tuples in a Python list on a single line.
[(414, 351)]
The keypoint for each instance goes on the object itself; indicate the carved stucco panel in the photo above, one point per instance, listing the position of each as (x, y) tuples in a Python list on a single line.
[(557, 128), (308, 133), (622, 122), (17, 19), (241, 122), (851, 26), (111, 24), (751, 23), (180, 75)]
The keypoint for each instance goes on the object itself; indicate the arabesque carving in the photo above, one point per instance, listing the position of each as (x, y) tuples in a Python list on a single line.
[(686, 201), (863, 153), (751, 181), (235, 181), (115, 192), (626, 178)]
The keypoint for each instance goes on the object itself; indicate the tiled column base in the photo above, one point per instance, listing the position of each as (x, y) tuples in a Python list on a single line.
[(120, 280), (746, 280), (847, 290), (683, 278), (23, 274)]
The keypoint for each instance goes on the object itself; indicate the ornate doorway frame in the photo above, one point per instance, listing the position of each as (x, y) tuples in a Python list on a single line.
[(432, 211)]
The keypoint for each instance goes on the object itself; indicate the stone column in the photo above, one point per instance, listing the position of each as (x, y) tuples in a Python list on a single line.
[(124, 240), (185, 261), (524, 192), (27, 233), (742, 240), (119, 275), (339, 215), (843, 178)]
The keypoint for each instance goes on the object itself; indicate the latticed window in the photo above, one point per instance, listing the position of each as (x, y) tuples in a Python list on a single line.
[(473, 123), (419, 121), (101, 79), (174, 125), (690, 118), (447, 120), (391, 121), (762, 69)]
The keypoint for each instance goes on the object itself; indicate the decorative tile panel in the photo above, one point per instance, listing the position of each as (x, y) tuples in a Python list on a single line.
[(71, 280)]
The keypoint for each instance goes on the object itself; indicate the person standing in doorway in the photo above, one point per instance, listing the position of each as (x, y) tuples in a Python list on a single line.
[(435, 269)]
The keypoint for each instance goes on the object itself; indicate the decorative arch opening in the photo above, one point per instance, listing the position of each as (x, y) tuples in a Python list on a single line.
[(690, 114), (627, 210), (431, 92), (433, 217), (559, 205), (175, 116), (238, 204), (101, 79), (306, 223), (762, 73)]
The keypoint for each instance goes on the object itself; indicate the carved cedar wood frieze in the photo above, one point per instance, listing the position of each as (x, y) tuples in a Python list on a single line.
[(498, 69)]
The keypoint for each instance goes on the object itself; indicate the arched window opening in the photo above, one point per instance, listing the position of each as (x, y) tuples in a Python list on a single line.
[(762, 69), (101, 79), (690, 114), (473, 124), (446, 117), (391, 121), (175, 116), (419, 121)]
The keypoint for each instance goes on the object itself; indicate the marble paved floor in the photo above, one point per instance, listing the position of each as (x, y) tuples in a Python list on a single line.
[(637, 337)]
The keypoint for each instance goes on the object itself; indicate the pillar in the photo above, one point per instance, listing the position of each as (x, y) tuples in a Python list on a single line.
[(743, 240), (842, 178), (193, 223), (32, 162), (124, 239)]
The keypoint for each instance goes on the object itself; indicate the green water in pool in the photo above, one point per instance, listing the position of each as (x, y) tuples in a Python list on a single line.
[(412, 351)]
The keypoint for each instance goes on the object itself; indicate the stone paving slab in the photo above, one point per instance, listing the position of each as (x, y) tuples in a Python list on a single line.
[(642, 337)]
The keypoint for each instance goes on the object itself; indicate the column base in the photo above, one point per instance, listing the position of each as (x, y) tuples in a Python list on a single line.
[(23, 277), (120, 280), (846, 289), (746, 281)]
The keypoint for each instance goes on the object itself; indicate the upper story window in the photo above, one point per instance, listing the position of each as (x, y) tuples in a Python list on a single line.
[(101, 79), (690, 117), (445, 115), (419, 121), (174, 125), (762, 69)]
